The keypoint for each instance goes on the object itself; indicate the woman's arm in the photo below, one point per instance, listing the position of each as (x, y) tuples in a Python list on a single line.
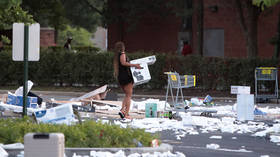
[(125, 63)]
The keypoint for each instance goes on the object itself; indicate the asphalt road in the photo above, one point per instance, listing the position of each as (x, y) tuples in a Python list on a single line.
[(195, 145)]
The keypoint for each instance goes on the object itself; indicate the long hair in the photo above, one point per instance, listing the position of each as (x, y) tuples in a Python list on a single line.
[(119, 47)]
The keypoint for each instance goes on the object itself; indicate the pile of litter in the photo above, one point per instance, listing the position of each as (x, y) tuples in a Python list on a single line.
[(225, 124)]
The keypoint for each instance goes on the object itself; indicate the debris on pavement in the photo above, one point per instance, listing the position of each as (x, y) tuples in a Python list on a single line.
[(56, 115)]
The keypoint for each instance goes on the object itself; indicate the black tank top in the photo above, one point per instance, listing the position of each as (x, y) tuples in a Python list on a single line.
[(124, 76)]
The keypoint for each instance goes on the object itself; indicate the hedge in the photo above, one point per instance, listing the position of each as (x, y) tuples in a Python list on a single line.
[(90, 67), (87, 134)]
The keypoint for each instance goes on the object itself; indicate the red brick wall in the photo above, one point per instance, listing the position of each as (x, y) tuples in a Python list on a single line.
[(162, 35), (267, 28), (47, 37), (151, 34), (225, 18)]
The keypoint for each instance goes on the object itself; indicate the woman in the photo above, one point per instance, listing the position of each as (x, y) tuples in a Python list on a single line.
[(123, 74)]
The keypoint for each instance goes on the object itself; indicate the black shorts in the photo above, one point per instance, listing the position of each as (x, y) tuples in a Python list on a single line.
[(125, 79)]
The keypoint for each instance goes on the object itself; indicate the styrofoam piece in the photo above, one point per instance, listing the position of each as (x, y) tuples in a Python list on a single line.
[(62, 114), (245, 107)]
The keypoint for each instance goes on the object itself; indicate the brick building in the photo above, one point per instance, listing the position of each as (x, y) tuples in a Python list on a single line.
[(223, 36), (46, 36)]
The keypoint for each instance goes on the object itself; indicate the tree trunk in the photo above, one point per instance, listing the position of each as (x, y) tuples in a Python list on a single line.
[(250, 25), (276, 51), (252, 39), (200, 27)]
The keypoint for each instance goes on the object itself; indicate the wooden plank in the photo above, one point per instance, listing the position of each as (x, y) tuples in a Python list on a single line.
[(107, 102)]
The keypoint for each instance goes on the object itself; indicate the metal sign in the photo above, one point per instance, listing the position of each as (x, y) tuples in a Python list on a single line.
[(33, 42), (240, 90)]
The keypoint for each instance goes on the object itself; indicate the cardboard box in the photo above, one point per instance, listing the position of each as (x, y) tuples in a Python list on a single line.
[(149, 60), (12, 99), (62, 114), (140, 76), (151, 110)]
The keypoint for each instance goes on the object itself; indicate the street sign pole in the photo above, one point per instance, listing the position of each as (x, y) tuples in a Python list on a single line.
[(26, 37)]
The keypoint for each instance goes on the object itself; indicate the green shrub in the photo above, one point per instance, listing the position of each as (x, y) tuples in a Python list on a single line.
[(89, 66), (87, 134)]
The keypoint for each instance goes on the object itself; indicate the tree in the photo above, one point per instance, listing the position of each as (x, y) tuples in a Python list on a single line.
[(265, 4), (81, 37), (249, 12), (47, 13), (60, 13), (11, 12), (249, 24)]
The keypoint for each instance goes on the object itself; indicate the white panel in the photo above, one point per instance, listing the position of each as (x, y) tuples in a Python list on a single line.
[(240, 90), (245, 107), (18, 41), (34, 42)]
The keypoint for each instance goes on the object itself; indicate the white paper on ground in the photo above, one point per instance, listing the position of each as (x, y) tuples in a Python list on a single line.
[(19, 91), (212, 146), (3, 153)]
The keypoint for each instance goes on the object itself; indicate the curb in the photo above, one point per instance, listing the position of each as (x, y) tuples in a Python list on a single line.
[(13, 152)]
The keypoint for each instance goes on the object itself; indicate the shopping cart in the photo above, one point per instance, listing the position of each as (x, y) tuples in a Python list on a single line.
[(178, 82), (266, 83)]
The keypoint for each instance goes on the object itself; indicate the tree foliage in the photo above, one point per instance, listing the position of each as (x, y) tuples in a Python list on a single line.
[(47, 13), (11, 12), (265, 3), (81, 37)]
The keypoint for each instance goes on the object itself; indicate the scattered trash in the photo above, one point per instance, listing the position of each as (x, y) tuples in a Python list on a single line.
[(212, 146), (196, 102), (137, 143), (18, 101), (259, 112), (62, 114), (3, 153), (151, 110), (216, 137), (154, 143), (19, 91), (245, 107), (275, 139), (207, 99), (97, 94)]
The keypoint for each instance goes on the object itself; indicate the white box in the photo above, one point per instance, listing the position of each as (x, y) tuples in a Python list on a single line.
[(149, 60), (140, 76), (44, 145), (62, 114), (240, 90), (245, 107)]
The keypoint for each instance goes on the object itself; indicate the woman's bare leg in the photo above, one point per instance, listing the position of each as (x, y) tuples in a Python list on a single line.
[(128, 89)]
